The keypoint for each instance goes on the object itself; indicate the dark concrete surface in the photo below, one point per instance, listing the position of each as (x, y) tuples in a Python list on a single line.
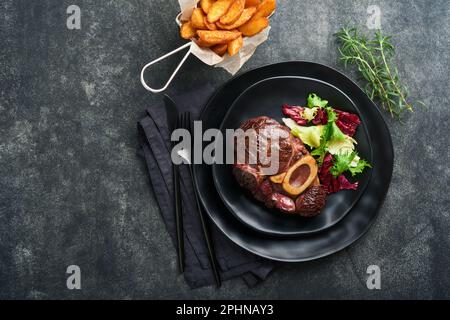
[(73, 191)]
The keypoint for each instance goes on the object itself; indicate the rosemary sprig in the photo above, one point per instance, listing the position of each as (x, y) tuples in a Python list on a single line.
[(373, 60)]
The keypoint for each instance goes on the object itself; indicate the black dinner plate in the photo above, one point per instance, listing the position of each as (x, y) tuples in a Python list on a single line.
[(333, 239), (265, 98)]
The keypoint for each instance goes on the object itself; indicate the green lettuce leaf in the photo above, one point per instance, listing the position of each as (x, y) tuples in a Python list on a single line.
[(360, 166), (330, 132), (309, 113), (336, 133), (346, 146), (309, 135), (342, 163), (348, 162), (315, 101), (332, 116)]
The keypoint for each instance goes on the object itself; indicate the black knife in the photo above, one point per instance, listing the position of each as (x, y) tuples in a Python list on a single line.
[(172, 124)]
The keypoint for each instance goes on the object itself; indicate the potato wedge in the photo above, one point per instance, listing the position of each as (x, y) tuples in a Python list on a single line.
[(235, 45), (220, 49), (265, 8), (246, 15), (252, 3), (218, 37), (206, 5), (198, 19), (234, 12), (187, 31), (218, 9), (203, 44), (209, 26), (254, 26)]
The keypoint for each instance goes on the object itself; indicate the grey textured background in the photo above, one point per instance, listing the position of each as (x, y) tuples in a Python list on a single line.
[(73, 191)]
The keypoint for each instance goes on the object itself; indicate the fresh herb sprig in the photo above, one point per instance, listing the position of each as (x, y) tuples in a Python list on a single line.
[(373, 59)]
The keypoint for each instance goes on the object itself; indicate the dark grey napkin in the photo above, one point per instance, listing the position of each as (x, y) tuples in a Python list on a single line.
[(155, 142)]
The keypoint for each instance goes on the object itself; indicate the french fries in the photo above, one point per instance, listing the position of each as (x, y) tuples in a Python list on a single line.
[(187, 31), (246, 15), (265, 8), (198, 19), (220, 49), (252, 3), (235, 11), (218, 9), (254, 26), (218, 37), (209, 26), (206, 5), (221, 25), (234, 46), (203, 44)]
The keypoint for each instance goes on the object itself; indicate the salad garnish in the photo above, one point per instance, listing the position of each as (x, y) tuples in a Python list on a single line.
[(328, 132)]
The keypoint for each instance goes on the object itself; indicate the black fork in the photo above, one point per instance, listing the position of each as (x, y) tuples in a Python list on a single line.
[(186, 123)]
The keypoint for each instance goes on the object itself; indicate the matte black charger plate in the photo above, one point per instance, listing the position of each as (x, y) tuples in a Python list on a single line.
[(265, 99), (354, 224)]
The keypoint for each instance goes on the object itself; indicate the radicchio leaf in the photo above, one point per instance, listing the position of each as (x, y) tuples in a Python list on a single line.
[(331, 184), (347, 122), (321, 117), (295, 113)]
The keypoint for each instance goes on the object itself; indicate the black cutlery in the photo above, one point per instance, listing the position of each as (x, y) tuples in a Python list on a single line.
[(186, 123), (173, 124)]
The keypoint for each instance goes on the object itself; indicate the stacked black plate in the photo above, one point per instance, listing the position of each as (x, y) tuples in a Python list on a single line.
[(348, 214)]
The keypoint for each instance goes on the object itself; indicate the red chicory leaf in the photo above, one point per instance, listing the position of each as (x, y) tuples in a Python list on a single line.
[(320, 118), (347, 122), (295, 113), (332, 184)]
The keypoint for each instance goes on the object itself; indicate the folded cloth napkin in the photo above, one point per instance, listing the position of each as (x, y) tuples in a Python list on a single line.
[(233, 261)]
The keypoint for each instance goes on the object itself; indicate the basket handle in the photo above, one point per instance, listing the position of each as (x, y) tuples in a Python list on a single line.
[(147, 87)]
